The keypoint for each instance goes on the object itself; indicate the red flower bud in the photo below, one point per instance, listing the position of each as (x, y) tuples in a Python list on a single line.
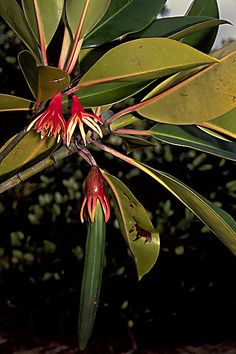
[(95, 190)]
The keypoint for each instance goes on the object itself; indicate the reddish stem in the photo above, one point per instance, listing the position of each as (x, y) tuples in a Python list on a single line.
[(77, 37), (41, 35), (131, 132)]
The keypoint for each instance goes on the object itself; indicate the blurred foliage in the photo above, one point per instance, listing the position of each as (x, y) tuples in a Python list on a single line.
[(190, 295)]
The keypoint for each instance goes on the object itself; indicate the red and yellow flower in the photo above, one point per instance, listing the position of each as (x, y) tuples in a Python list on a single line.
[(51, 122), (80, 116)]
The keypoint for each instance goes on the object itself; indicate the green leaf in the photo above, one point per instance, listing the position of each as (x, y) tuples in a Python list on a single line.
[(135, 225), (220, 222), (92, 276), (95, 11), (123, 17), (176, 27), (225, 124), (199, 31), (14, 16), (224, 51), (50, 13), (51, 81), (132, 143), (14, 103), (193, 137), (203, 40), (148, 58), (107, 93), (123, 121), (204, 96), (27, 150), (203, 8), (29, 69)]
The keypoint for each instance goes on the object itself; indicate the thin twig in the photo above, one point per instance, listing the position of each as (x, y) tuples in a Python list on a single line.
[(58, 155), (131, 132)]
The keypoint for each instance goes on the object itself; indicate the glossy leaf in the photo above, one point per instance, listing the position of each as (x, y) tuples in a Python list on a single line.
[(224, 51), (178, 27), (149, 58), (132, 143), (27, 150), (51, 81), (198, 30), (225, 124), (112, 92), (50, 13), (29, 69), (204, 96), (14, 103), (94, 12), (220, 222), (123, 17), (203, 8), (203, 40), (92, 276), (193, 137), (14, 16), (123, 121), (135, 225)]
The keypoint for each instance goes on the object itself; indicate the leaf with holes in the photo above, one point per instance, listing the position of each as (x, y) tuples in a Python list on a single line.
[(135, 225)]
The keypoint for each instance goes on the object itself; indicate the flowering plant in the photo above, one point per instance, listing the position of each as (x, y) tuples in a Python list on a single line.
[(119, 68)]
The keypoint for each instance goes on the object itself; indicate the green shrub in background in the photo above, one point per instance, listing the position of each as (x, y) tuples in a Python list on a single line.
[(144, 70)]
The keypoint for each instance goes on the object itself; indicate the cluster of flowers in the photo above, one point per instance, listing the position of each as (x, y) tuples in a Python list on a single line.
[(52, 123)]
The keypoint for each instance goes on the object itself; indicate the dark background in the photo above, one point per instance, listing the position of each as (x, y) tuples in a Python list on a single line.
[(188, 298)]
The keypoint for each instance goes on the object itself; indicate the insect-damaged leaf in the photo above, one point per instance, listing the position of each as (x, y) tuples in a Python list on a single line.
[(135, 225), (220, 222)]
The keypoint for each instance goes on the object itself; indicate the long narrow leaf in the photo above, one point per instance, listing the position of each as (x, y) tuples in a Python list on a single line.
[(220, 222), (193, 137), (92, 276)]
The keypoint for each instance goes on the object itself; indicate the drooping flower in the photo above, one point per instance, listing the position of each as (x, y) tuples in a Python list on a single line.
[(80, 116), (51, 122), (95, 190)]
